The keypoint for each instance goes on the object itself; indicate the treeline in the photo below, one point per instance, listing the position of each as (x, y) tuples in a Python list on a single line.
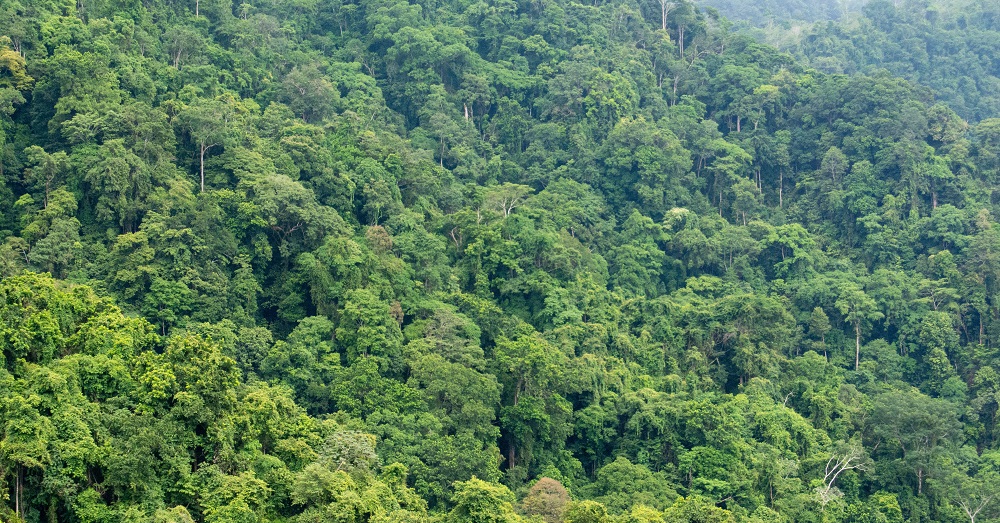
[(950, 46), (783, 13), (392, 261)]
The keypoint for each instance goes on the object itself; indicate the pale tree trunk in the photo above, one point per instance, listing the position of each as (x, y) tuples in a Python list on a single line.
[(18, 488), (680, 39), (857, 345), (972, 510), (781, 183), (202, 166), (665, 8)]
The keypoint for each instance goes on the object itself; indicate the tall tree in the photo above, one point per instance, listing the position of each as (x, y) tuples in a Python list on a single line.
[(860, 310), (210, 123)]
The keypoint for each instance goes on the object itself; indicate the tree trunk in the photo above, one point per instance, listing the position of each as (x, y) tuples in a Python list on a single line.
[(857, 344), (17, 491), (680, 39), (197, 5), (202, 166)]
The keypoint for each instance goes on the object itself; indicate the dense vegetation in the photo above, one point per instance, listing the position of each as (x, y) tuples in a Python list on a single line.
[(951, 46), (782, 12), (470, 261)]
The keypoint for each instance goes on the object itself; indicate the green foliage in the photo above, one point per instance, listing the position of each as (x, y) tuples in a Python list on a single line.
[(476, 501), (936, 44), (497, 261), (697, 510)]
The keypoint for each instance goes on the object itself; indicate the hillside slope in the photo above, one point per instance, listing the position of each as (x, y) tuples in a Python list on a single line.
[(313, 260), (950, 46)]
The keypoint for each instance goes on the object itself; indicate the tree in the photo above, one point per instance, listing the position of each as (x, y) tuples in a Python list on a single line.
[(622, 484), (476, 501), (342, 485), (121, 180), (504, 198), (52, 233), (210, 123), (309, 93), (350, 451), (47, 169), (819, 325), (586, 511), (24, 443), (290, 214), (859, 310), (683, 16), (547, 498), (918, 426), (844, 457), (184, 43), (697, 510), (367, 329), (464, 399), (976, 494), (528, 370), (834, 165), (665, 7), (438, 117)]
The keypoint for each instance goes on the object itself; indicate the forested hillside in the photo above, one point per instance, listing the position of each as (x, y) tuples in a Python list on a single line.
[(951, 46), (487, 261), (783, 12)]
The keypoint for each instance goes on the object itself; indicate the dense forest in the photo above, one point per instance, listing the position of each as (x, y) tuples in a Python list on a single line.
[(784, 13), (468, 261), (950, 46)]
